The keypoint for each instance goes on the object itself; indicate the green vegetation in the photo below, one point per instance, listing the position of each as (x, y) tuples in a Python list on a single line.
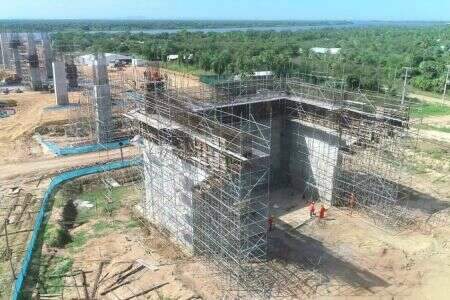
[(70, 228), (79, 239), (186, 68), (104, 203), (52, 268), (371, 58), (430, 110), (56, 236)]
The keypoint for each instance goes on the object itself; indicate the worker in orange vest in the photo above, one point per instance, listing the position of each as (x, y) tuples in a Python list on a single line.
[(322, 212)]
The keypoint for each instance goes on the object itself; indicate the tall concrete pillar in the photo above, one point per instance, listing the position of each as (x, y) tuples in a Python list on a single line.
[(14, 44), (48, 55), (4, 50), (72, 73), (102, 100), (60, 83), (1, 57), (33, 61)]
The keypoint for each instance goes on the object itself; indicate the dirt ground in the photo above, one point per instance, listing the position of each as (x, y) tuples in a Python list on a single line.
[(133, 257), (353, 258), (184, 279), (344, 257), (16, 131)]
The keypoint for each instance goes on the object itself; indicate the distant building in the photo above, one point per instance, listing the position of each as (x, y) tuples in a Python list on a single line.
[(111, 58), (259, 74), (137, 62), (320, 50), (172, 57)]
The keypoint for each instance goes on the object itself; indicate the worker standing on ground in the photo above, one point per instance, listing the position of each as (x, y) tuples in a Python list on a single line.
[(312, 209), (270, 222), (322, 212)]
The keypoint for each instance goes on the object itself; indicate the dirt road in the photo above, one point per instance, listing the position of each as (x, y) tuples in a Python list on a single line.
[(46, 167), (429, 99)]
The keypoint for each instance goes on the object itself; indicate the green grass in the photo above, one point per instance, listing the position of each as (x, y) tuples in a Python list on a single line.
[(417, 168), (430, 110), (105, 203), (132, 224), (56, 236), (102, 227), (51, 270), (78, 240)]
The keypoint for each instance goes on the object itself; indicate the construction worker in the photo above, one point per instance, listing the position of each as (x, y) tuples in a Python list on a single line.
[(322, 212), (270, 222), (312, 209), (351, 202)]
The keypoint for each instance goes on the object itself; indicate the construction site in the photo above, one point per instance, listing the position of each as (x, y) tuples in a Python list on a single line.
[(137, 182)]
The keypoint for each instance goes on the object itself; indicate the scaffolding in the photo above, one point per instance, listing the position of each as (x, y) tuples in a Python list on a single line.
[(28, 56), (209, 155)]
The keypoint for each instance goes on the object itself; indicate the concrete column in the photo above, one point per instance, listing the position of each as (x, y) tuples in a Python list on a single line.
[(33, 61), (4, 50), (14, 45), (60, 83), (72, 73), (1, 56), (48, 55), (100, 72), (102, 100)]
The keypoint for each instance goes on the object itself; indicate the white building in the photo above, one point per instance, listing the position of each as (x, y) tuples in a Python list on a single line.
[(172, 57), (320, 50), (88, 59), (137, 62), (255, 74)]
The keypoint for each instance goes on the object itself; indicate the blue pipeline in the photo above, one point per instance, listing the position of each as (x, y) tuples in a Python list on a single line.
[(54, 184), (61, 151)]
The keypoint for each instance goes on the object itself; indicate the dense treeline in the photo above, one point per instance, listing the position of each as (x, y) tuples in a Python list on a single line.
[(124, 25), (371, 58)]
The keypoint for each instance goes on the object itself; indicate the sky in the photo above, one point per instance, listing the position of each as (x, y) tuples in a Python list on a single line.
[(390, 10)]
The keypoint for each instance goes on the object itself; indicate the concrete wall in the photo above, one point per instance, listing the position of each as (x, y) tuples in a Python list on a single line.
[(314, 159), (60, 83), (279, 176), (169, 186)]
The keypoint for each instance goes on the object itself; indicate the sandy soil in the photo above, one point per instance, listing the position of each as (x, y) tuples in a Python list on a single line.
[(352, 258), (49, 166), (16, 131), (435, 135), (183, 277)]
